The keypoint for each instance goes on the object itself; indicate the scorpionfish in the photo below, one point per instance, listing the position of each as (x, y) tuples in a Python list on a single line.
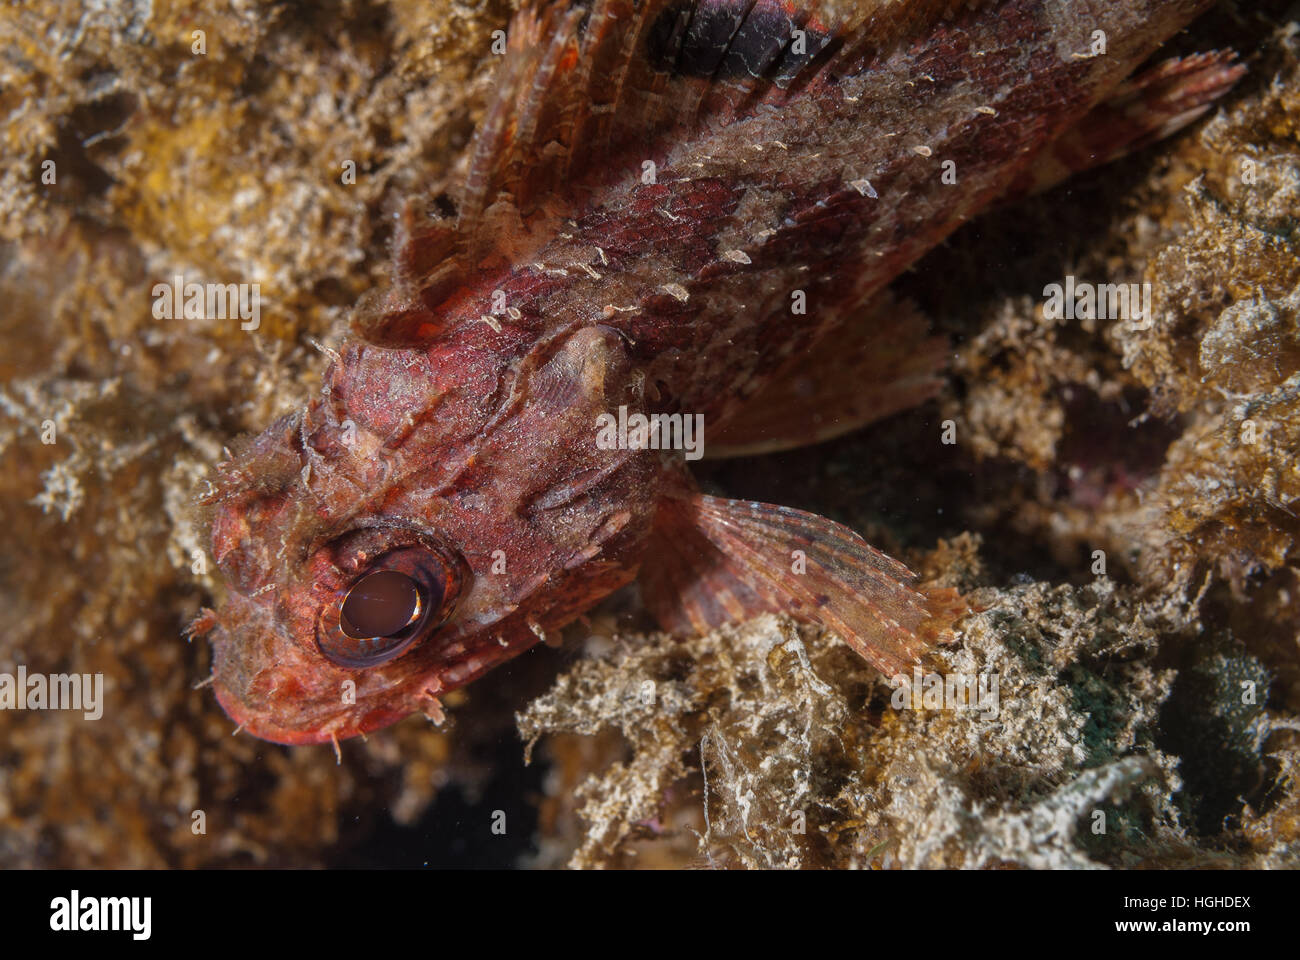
[(673, 212)]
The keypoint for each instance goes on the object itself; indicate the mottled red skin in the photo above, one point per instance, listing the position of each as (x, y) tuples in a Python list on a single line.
[(482, 439)]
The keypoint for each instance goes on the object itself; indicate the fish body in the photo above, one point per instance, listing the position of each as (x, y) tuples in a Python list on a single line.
[(672, 208)]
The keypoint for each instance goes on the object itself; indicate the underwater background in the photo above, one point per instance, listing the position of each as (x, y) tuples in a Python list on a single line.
[(1163, 693)]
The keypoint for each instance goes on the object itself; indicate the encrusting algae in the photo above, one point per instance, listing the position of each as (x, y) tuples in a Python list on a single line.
[(1172, 450)]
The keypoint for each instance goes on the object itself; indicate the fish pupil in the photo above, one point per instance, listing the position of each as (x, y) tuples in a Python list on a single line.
[(379, 605)]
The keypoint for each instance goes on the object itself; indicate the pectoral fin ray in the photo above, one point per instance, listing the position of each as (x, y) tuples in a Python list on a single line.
[(716, 561), (879, 363)]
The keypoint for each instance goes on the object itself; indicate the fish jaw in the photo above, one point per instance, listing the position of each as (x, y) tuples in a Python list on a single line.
[(278, 691), (282, 690)]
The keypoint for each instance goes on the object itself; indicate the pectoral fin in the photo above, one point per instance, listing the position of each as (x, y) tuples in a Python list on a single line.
[(879, 363), (713, 561)]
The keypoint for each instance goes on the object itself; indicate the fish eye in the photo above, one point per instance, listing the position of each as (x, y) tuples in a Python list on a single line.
[(380, 604), (387, 608)]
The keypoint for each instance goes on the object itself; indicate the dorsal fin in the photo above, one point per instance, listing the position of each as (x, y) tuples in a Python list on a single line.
[(583, 83), (585, 88)]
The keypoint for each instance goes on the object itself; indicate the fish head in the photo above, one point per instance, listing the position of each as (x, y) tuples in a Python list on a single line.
[(412, 529)]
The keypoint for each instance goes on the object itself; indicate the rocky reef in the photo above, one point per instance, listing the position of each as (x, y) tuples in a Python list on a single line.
[(1119, 501)]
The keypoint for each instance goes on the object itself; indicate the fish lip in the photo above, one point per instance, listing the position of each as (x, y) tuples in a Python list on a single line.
[(263, 729), (291, 723)]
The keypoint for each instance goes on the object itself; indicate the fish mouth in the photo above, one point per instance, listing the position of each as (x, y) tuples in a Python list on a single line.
[(263, 726), (280, 688), (278, 691)]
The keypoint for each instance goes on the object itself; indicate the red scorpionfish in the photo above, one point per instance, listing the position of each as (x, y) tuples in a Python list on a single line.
[(674, 213)]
